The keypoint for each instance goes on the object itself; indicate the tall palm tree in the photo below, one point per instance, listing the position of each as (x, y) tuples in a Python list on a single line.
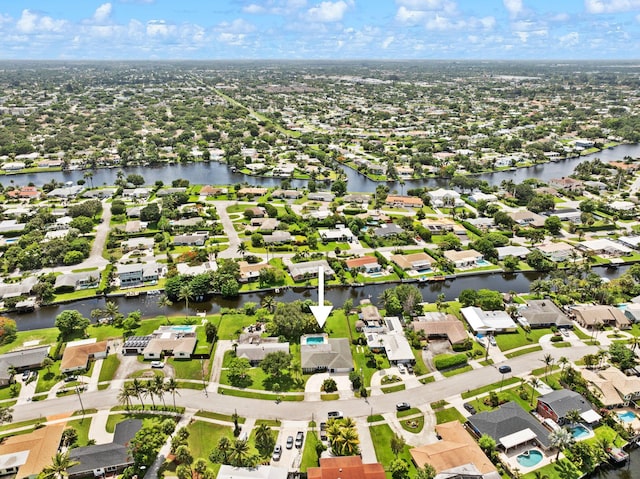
[(139, 390), (561, 439), (264, 439), (268, 302), (185, 294), (634, 341), (535, 383), (111, 309), (171, 386), (150, 391), (58, 467), (239, 453), (125, 395), (224, 446), (563, 361), (164, 302), (242, 248), (548, 363), (158, 388)]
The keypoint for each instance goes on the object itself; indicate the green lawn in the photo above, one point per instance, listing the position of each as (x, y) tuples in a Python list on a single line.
[(258, 379), (82, 427), (448, 415), (47, 378), (489, 387), (338, 325), (230, 325), (453, 372), (523, 351), (189, 368), (204, 437), (381, 436), (258, 395), (309, 454), (520, 395), (358, 353), (518, 339), (219, 417), (414, 425), (42, 336), (109, 367), (393, 389)]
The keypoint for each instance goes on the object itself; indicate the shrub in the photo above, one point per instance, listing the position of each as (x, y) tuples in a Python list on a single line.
[(445, 361)]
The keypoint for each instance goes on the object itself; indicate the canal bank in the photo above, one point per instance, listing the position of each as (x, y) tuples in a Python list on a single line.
[(148, 306)]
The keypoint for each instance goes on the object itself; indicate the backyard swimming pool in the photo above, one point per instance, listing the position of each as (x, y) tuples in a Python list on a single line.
[(314, 340), (579, 432), (529, 458), (627, 416)]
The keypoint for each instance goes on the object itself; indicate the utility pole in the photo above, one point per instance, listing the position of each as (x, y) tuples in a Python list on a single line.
[(80, 399)]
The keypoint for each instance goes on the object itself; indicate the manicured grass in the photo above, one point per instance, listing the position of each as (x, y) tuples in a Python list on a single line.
[(358, 353), (507, 395), (453, 372), (427, 380), (582, 335), (268, 422), (608, 433), (408, 412), (190, 368), (551, 472), (337, 325), (393, 389), (309, 455), (562, 344), (48, 378), (258, 379), (330, 397), (381, 436), (414, 425), (82, 427), (114, 419), (12, 391), (219, 417), (487, 362), (256, 395), (204, 437), (489, 387), (518, 339), (230, 325), (109, 367), (448, 415), (43, 336), (16, 425), (520, 352)]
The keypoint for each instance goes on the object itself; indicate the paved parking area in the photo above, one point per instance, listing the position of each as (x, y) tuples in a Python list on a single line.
[(290, 457)]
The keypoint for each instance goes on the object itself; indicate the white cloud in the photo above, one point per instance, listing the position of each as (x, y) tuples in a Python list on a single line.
[(159, 28), (102, 13), (514, 7), (231, 38), (275, 7), (559, 17), (328, 11), (570, 39), (404, 15), (32, 22), (426, 5), (239, 25), (611, 6), (387, 41), (253, 9)]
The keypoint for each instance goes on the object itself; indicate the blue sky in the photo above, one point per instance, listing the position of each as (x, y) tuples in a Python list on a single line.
[(319, 29)]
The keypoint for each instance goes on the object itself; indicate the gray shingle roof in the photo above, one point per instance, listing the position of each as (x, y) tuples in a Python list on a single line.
[(563, 400)]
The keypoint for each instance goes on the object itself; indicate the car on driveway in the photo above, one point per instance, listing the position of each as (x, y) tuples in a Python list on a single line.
[(289, 442), (277, 453), (403, 406), (25, 375), (402, 368), (157, 364), (299, 439), (504, 369), (469, 407), (564, 332), (492, 341), (409, 368)]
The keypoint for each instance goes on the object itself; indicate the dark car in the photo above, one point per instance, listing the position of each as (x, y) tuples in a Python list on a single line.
[(70, 379), (289, 442), (299, 439), (403, 406), (335, 415), (504, 369), (409, 368), (469, 407), (277, 453), (25, 375)]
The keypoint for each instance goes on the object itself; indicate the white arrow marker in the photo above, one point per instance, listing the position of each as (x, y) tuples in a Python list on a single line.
[(321, 312)]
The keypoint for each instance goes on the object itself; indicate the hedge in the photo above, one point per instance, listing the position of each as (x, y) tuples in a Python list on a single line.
[(472, 228), (445, 361)]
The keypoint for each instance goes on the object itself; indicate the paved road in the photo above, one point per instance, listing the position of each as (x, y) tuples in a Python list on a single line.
[(298, 411), (230, 231)]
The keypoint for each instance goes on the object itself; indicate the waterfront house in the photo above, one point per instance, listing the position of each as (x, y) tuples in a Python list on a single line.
[(390, 340), (254, 348), (556, 252), (21, 360), (604, 247), (331, 355), (557, 404), (484, 322), (594, 315), (251, 271), (464, 259), (251, 191), (566, 183), (76, 281), (614, 388), (510, 426), (419, 262), (346, 467), (543, 313), (137, 274), (517, 251), (287, 194), (77, 354), (324, 196), (455, 449), (527, 218), (439, 325), (309, 270), (368, 264), (404, 201), (442, 197)]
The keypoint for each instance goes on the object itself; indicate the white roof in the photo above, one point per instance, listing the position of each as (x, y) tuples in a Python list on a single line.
[(590, 416), (480, 320), (604, 244), (258, 472), (517, 438)]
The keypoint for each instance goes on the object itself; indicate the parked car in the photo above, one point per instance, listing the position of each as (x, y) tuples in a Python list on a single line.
[(70, 379), (289, 442), (157, 364), (565, 332), (25, 375), (299, 439), (277, 453), (335, 415), (492, 341), (504, 369), (469, 407), (403, 406), (402, 368), (409, 368)]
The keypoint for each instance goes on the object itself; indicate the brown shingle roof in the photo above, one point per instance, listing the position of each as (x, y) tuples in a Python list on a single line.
[(75, 357)]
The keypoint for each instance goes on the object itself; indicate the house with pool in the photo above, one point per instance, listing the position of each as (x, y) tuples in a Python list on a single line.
[(178, 341), (319, 353), (555, 406)]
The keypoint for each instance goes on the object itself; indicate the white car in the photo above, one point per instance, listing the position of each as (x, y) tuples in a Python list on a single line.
[(157, 364), (402, 368)]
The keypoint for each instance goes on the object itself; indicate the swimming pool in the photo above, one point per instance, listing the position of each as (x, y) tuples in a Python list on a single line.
[(376, 274), (579, 432), (483, 262), (627, 416), (314, 340), (529, 458)]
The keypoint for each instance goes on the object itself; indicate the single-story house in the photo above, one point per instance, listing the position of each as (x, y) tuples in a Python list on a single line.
[(438, 325), (77, 281), (480, 196), (527, 218), (11, 226), (141, 243), (278, 237), (24, 287), (367, 263), (26, 192), (109, 459), (566, 183), (488, 321), (338, 234), (440, 225), (137, 193), (170, 191), (543, 313), (392, 341), (251, 191), (191, 239), (258, 472), (77, 354), (66, 192), (309, 269), (464, 259), (135, 344), (354, 198), (517, 251), (170, 341), (415, 261), (346, 467), (388, 229), (510, 426), (208, 190), (442, 197), (21, 360), (632, 311), (26, 455), (404, 201), (251, 271), (325, 196), (614, 387), (456, 448), (604, 247), (287, 194), (556, 252), (590, 315), (557, 404), (332, 355), (630, 241), (255, 349), (135, 226)]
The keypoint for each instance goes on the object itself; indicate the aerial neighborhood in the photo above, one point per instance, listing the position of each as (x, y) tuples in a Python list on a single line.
[(165, 250)]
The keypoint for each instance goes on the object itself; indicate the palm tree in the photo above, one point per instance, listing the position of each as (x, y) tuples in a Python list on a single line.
[(634, 341), (150, 391), (242, 248), (573, 416), (535, 383), (164, 302), (224, 446), (158, 388), (239, 453), (185, 294), (264, 439), (539, 475), (58, 467), (333, 433), (111, 309), (268, 302), (563, 361), (139, 390), (349, 442), (125, 395), (171, 386), (548, 363), (561, 439)]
